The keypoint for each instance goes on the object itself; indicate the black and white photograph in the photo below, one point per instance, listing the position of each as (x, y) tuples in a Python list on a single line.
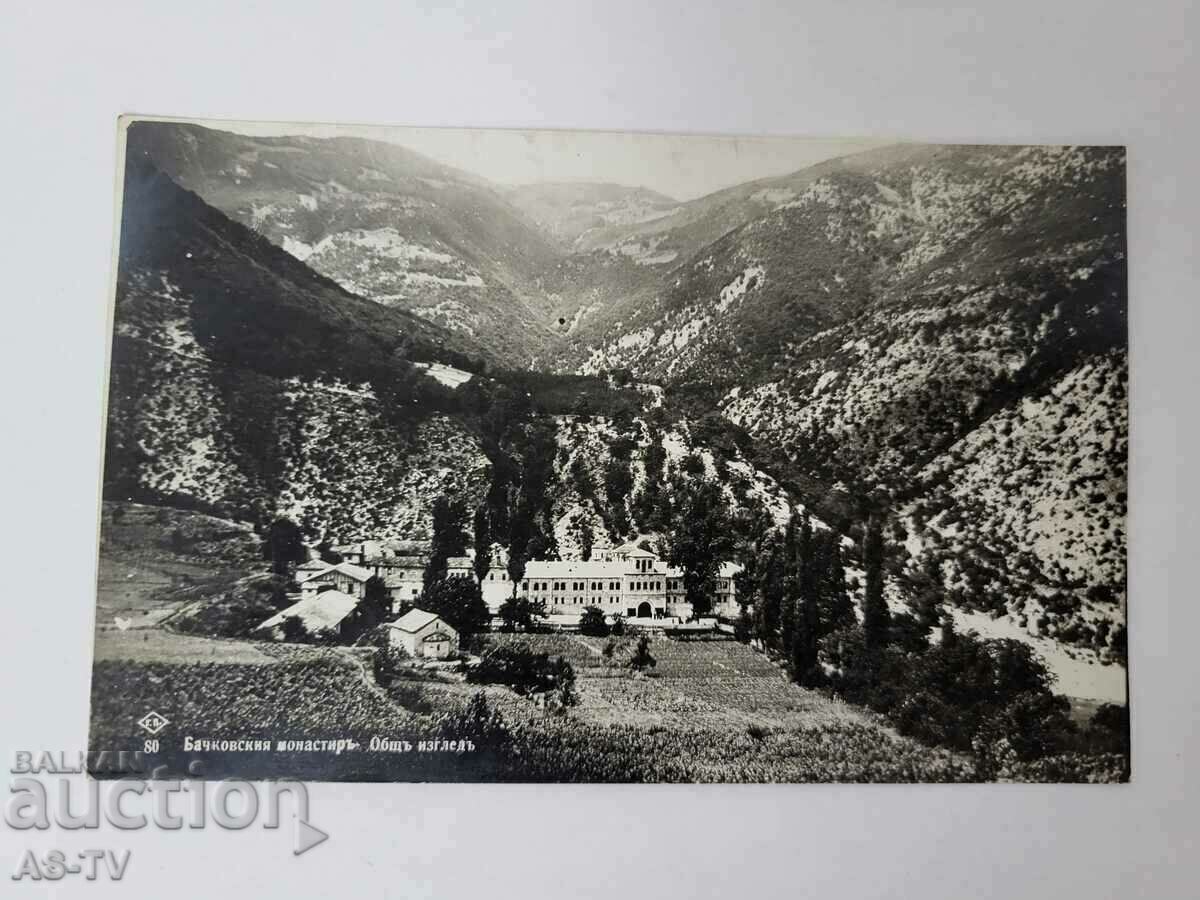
[(453, 455)]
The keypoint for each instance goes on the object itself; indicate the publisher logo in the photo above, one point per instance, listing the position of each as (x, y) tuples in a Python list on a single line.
[(154, 722)]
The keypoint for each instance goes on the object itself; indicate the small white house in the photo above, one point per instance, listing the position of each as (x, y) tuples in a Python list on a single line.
[(423, 635)]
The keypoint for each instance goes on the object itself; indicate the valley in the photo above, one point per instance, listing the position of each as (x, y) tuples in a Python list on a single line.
[(896, 377)]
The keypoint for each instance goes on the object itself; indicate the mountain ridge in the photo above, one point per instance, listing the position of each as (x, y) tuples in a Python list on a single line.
[(383, 221)]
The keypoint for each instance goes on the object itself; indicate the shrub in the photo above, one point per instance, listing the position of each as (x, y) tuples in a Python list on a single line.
[(592, 622), (294, 630), (525, 671), (991, 697), (642, 660)]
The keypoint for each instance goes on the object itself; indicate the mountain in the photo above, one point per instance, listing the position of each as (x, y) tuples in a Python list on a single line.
[(941, 329), (938, 333), (693, 225), (245, 384), (383, 222), (571, 211)]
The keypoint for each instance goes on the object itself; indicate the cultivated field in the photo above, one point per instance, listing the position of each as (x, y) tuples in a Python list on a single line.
[(713, 711)]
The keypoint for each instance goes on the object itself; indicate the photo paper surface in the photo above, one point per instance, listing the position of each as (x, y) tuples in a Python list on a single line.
[(460, 455)]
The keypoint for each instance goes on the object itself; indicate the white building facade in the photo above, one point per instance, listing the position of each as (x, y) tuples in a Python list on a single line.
[(423, 635), (628, 581)]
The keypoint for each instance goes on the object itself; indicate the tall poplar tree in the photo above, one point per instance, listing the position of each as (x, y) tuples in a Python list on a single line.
[(449, 537), (482, 542), (876, 618)]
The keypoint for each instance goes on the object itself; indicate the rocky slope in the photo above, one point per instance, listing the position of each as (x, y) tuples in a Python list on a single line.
[(382, 221), (245, 384)]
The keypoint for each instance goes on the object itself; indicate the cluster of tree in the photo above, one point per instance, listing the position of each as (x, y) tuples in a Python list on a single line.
[(699, 537), (527, 672), (518, 506), (650, 505), (283, 546), (460, 604), (796, 584), (520, 613), (991, 698), (593, 623)]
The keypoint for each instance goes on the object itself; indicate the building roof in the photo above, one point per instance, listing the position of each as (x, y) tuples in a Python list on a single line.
[(575, 568), (459, 562), (405, 546), (319, 611), (561, 618), (398, 562), (416, 619), (729, 569), (358, 573), (633, 548), (394, 579)]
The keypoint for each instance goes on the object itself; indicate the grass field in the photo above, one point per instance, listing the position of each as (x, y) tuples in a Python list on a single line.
[(717, 712), (154, 560), (722, 684)]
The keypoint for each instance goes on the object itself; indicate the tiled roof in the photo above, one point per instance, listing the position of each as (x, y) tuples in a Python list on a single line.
[(567, 568), (358, 573), (416, 619)]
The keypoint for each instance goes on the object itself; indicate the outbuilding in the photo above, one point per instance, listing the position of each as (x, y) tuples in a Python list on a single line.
[(423, 635)]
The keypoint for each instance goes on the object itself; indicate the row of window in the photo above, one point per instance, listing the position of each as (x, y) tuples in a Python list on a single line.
[(581, 601), (596, 585), (575, 585)]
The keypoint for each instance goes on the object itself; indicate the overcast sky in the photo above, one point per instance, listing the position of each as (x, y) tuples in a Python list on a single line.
[(680, 166)]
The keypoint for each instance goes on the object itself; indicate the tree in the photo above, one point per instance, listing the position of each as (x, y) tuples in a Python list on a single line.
[(592, 622), (836, 607), (700, 537), (294, 630), (770, 594), (520, 533), (376, 606), (283, 546), (449, 537), (563, 674), (876, 619), (618, 482), (483, 542), (518, 612), (642, 659), (459, 602), (585, 535), (326, 553)]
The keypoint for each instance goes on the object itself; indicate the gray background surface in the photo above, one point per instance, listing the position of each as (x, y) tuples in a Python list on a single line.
[(1012, 71)]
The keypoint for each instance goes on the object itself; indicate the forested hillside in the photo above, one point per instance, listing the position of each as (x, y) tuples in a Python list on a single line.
[(245, 384), (938, 332)]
